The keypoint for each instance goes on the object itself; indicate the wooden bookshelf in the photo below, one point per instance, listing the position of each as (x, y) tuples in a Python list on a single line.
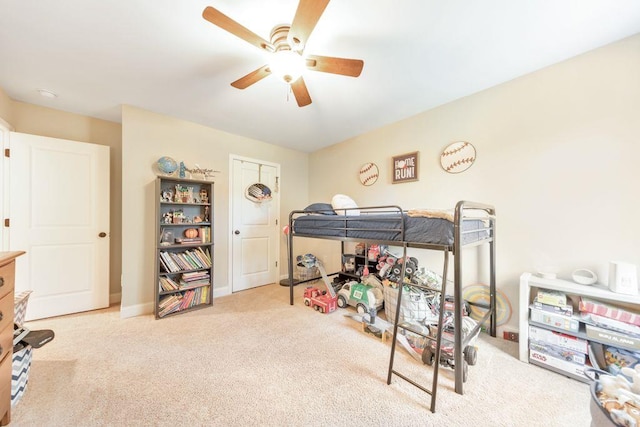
[(184, 246)]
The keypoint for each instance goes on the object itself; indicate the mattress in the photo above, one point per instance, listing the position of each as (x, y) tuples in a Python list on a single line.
[(388, 227)]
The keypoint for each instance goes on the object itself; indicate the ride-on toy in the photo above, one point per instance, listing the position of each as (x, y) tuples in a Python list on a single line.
[(446, 347)]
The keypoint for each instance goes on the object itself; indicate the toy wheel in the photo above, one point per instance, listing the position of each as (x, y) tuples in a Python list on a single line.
[(465, 371), (306, 302), (361, 309), (427, 356), (342, 303), (321, 310), (470, 355)]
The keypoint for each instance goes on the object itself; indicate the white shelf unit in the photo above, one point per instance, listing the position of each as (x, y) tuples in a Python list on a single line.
[(530, 281)]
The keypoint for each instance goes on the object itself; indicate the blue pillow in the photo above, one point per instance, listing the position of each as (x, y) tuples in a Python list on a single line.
[(326, 208)]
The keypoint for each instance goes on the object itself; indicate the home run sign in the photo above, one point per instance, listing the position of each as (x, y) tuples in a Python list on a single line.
[(458, 157), (405, 168)]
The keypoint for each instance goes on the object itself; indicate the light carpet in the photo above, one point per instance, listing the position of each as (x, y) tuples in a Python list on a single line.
[(252, 359)]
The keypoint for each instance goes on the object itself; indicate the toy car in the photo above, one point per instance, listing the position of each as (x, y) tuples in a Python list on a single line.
[(446, 348)]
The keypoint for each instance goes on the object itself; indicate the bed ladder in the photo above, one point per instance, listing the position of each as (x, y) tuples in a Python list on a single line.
[(436, 364)]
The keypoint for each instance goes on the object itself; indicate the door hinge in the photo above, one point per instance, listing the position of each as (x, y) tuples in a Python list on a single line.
[(276, 222), (7, 152), (6, 222), (276, 263)]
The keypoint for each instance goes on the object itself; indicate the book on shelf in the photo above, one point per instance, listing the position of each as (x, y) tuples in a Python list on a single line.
[(168, 284), (557, 363), (564, 309), (550, 297), (169, 304), (194, 275), (614, 338), (600, 308), (558, 339), (204, 234), (618, 358), (559, 352), (169, 262), (163, 264), (610, 324), (189, 241), (559, 321)]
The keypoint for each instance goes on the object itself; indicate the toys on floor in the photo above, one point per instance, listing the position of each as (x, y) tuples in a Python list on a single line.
[(362, 297), (319, 300), (470, 352), (323, 301)]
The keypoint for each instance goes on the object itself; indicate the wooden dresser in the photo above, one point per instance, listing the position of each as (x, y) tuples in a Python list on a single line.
[(7, 279)]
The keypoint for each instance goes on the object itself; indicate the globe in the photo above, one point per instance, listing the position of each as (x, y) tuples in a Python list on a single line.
[(167, 165)]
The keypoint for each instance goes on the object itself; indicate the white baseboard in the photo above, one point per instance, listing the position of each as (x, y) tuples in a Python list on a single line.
[(136, 310), (220, 291), (115, 298)]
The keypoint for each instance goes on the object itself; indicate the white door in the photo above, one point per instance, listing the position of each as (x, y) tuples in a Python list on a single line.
[(254, 225), (59, 210)]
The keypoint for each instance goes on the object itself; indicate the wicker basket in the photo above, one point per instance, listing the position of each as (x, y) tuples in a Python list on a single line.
[(306, 273), (21, 359)]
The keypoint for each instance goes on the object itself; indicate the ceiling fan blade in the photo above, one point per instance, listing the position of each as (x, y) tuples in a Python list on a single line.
[(301, 93), (329, 64), (304, 21), (252, 77), (223, 21)]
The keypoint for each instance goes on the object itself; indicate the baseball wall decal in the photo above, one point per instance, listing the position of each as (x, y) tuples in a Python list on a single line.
[(458, 157), (368, 174)]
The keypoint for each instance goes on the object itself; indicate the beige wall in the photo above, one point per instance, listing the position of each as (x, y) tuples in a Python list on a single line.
[(36, 120), (148, 136), (5, 106), (557, 154)]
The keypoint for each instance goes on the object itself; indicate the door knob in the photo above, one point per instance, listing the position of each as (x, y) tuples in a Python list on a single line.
[(236, 232), (102, 234)]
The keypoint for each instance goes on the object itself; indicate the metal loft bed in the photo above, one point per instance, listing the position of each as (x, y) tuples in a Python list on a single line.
[(473, 225)]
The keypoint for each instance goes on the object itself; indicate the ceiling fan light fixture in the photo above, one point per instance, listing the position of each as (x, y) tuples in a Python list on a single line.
[(287, 65)]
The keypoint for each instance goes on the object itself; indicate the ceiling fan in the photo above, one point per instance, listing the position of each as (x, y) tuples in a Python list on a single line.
[(286, 45)]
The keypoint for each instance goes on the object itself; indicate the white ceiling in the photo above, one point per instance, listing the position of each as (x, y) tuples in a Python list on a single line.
[(164, 57)]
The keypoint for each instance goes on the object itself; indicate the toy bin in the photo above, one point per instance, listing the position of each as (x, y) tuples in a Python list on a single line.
[(305, 273), (21, 361), (415, 307)]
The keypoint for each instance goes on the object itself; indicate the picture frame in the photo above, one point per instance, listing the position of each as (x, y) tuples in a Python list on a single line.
[(405, 168)]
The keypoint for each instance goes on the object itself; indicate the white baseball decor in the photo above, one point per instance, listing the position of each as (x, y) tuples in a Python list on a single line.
[(368, 174), (458, 157)]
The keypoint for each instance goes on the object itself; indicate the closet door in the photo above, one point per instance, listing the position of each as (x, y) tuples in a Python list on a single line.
[(255, 230), (59, 210)]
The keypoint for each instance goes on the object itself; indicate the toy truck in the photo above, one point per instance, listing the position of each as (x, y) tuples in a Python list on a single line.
[(362, 297), (319, 300), (322, 301)]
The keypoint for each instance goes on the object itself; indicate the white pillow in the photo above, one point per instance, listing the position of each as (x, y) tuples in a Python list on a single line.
[(340, 202)]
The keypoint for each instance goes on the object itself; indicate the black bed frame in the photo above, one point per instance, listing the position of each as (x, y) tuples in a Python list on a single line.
[(464, 211)]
